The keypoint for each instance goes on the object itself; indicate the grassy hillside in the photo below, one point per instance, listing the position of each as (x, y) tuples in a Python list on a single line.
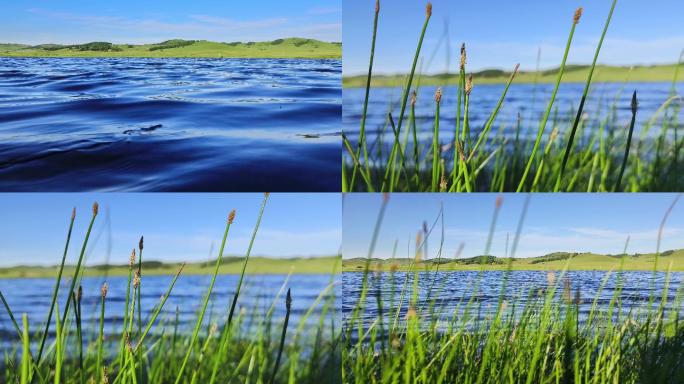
[(553, 261), (230, 265), (572, 74), (281, 48)]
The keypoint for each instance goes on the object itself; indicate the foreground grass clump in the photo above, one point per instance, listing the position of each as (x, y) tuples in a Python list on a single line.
[(585, 154), (223, 346), (550, 334)]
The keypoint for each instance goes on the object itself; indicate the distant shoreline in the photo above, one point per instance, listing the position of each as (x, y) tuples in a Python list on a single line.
[(572, 74), (551, 262), (290, 48), (230, 265)]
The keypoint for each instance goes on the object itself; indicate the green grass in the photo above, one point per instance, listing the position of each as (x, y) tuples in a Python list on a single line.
[(535, 336), (281, 48), (230, 265), (250, 346), (597, 153), (573, 74), (552, 262)]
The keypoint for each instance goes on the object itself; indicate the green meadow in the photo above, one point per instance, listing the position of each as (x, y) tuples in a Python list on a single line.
[(281, 48), (230, 265), (572, 74), (672, 260)]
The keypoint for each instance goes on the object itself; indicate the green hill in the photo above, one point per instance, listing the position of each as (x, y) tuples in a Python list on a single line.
[(552, 261), (229, 265), (281, 48), (572, 74)]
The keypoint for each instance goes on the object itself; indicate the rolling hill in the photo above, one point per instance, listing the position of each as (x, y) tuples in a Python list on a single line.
[(552, 261), (281, 48)]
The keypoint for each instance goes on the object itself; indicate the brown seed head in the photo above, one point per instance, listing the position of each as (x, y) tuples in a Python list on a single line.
[(499, 202), (96, 208), (136, 279), (438, 95), (635, 103), (550, 278), (104, 290), (517, 67), (578, 15), (377, 6), (463, 57), (443, 184), (105, 376), (385, 197), (459, 148), (428, 9), (411, 313), (140, 244), (413, 98), (131, 260), (231, 217), (73, 213), (469, 85), (266, 194)]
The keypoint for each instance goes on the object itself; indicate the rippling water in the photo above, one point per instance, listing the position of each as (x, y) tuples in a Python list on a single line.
[(527, 99), (452, 290), (75, 124), (33, 297)]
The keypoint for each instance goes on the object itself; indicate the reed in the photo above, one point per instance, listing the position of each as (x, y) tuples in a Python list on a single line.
[(585, 154), (548, 333), (249, 348)]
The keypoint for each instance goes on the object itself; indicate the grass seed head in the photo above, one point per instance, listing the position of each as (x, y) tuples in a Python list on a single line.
[(443, 184), (578, 15), (413, 98), (377, 6), (79, 293), (411, 313), (231, 217), (288, 300), (385, 197), (428, 9), (499, 201), (136, 279), (105, 376), (140, 243), (73, 213), (131, 260), (96, 208), (469, 85), (463, 57), (438, 95), (550, 278), (104, 290), (635, 102)]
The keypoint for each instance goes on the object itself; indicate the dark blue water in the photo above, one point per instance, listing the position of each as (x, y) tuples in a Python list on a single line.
[(525, 100), (260, 292), (451, 291), (124, 124)]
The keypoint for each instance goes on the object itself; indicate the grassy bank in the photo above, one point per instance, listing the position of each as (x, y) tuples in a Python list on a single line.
[(606, 151), (229, 265), (672, 260), (571, 74), (226, 345), (281, 48), (399, 330)]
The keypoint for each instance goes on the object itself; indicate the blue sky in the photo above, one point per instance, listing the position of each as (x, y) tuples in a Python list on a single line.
[(129, 21), (501, 33), (177, 227), (555, 222)]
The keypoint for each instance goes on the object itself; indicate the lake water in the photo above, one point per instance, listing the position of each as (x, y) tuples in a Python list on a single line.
[(527, 99), (450, 289), (125, 124), (33, 297)]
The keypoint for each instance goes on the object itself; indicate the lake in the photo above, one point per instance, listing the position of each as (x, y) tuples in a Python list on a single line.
[(33, 297), (132, 124), (527, 99), (451, 289)]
